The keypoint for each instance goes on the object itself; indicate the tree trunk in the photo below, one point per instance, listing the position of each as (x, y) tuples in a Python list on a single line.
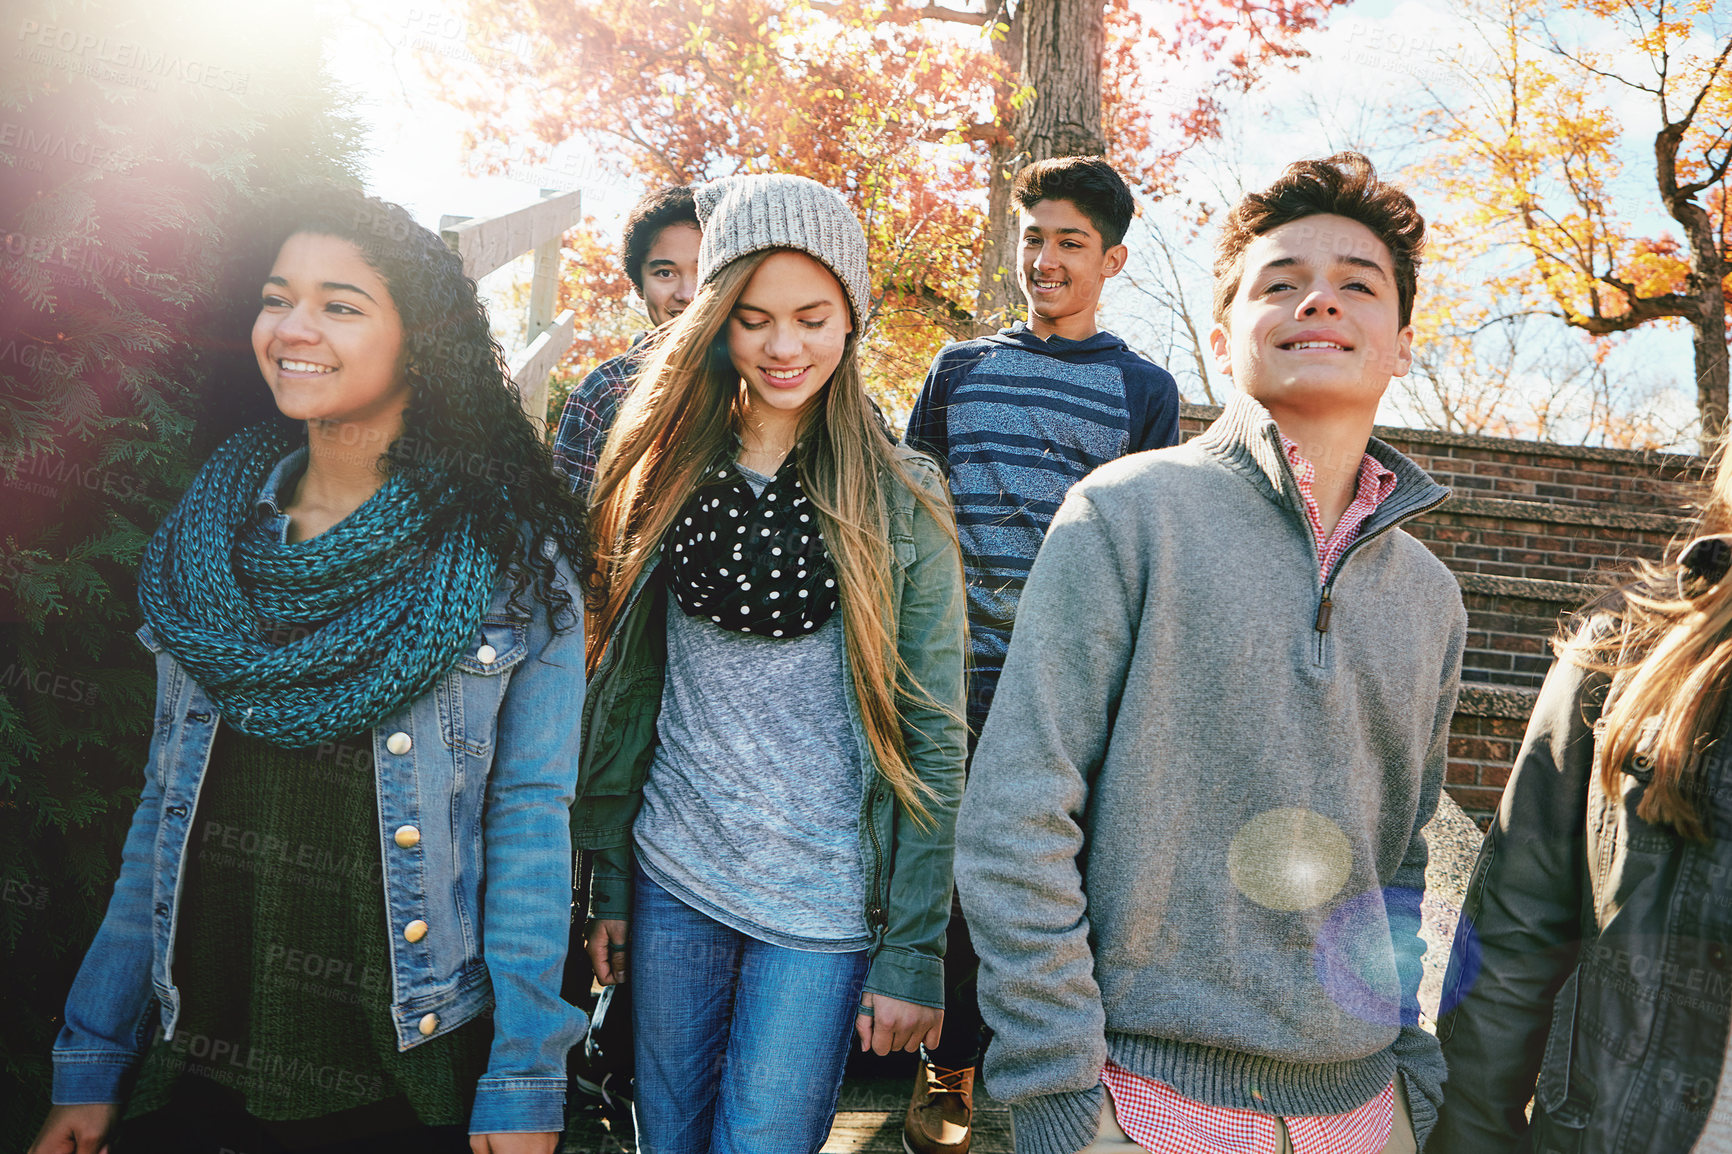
[(998, 291), (1711, 368), (1707, 319), (1064, 47), (1057, 48), (1706, 286)]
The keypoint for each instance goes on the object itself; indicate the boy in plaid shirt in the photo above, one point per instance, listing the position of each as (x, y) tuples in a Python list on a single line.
[(661, 258)]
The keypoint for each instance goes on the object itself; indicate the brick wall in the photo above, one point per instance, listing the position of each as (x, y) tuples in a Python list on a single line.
[(1508, 636), (1481, 751), (1535, 471), (1546, 543)]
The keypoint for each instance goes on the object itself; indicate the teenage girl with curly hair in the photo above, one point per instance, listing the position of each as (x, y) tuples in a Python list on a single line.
[(343, 903)]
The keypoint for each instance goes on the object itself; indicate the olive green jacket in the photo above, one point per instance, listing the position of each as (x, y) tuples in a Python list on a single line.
[(908, 863)]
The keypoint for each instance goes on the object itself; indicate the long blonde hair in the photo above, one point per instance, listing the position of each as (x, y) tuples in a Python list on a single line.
[(1666, 639), (683, 415)]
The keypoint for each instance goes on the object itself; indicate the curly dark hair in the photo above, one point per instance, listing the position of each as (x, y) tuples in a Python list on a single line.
[(656, 211), (1346, 185), (466, 441)]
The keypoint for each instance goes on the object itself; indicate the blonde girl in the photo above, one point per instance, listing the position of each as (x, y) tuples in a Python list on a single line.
[(773, 743)]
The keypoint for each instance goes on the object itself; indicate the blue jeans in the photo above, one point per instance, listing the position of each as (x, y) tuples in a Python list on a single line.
[(740, 1044)]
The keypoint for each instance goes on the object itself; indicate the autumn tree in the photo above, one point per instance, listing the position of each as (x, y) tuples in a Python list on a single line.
[(921, 115), (1535, 150)]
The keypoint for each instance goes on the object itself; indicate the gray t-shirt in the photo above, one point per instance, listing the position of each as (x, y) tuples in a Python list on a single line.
[(751, 813)]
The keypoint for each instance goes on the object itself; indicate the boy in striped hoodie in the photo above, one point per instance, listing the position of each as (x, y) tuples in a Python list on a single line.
[(1019, 417)]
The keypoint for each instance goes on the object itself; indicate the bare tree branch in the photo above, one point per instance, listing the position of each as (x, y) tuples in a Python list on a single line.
[(1559, 50)]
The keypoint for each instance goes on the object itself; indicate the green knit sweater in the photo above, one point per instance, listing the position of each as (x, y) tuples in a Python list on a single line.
[(280, 949)]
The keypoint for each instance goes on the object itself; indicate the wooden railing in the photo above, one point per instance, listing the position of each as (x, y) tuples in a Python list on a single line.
[(490, 243)]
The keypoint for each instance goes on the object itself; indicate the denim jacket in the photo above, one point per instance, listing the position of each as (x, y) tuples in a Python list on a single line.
[(908, 867), (474, 781)]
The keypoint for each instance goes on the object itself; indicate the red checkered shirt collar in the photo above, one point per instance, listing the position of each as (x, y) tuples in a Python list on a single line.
[(1157, 1117), (1376, 483)]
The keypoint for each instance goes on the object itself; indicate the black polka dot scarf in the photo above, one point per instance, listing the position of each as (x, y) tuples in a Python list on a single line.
[(751, 563)]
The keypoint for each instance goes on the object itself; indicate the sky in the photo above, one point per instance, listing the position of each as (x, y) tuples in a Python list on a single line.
[(414, 140), (1367, 76)]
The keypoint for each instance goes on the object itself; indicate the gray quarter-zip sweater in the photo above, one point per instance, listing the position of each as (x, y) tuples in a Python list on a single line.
[(1190, 840)]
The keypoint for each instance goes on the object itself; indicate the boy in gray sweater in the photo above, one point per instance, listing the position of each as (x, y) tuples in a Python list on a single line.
[(1190, 849)]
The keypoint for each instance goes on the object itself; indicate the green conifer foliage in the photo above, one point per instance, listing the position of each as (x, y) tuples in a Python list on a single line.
[(131, 134)]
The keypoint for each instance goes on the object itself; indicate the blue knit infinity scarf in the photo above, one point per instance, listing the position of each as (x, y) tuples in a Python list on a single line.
[(376, 608)]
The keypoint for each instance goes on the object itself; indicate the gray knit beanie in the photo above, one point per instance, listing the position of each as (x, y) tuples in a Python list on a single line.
[(746, 214)]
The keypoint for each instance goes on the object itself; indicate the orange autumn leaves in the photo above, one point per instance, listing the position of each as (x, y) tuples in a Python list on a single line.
[(896, 104), (1584, 125)]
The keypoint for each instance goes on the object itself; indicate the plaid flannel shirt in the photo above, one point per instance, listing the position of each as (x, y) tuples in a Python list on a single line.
[(589, 414)]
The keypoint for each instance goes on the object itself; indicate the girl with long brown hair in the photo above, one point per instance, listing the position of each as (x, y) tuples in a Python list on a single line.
[(773, 741), (1592, 966)]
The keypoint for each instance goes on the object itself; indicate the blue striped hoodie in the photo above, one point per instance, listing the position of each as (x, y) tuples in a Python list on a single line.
[(1017, 421)]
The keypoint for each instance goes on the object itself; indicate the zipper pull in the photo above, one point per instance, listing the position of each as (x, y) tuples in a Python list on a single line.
[(878, 918), (1324, 608)]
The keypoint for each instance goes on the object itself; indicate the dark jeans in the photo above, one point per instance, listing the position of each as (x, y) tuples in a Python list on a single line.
[(202, 1117), (963, 1041)]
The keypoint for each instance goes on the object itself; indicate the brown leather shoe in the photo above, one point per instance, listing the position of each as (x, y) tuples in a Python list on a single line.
[(941, 1114)]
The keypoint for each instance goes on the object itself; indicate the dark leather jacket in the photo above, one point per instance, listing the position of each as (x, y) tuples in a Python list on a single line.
[(1591, 968)]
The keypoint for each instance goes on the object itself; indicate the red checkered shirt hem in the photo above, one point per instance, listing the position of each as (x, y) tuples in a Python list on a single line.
[(1157, 1117)]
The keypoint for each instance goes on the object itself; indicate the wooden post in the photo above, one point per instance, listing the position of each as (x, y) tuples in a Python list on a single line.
[(491, 243), (543, 292)]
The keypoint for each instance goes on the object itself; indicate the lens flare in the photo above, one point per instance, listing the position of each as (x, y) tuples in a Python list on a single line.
[(1289, 859)]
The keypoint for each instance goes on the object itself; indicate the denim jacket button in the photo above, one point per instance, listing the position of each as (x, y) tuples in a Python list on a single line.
[(487, 655), (162, 909), (429, 1023), (407, 837), (398, 743), (415, 931)]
